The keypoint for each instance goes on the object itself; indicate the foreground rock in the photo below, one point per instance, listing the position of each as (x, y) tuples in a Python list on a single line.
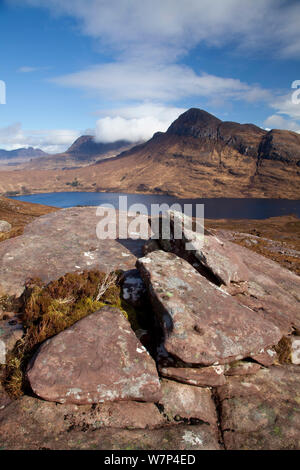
[(97, 359), (255, 281), (32, 424), (201, 323), (185, 402), (262, 411), (61, 242)]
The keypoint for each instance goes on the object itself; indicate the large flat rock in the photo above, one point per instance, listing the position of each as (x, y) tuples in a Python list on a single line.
[(61, 242), (33, 424), (262, 411), (254, 280), (201, 323), (98, 359)]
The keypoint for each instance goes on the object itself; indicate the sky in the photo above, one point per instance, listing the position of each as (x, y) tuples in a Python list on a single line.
[(124, 69)]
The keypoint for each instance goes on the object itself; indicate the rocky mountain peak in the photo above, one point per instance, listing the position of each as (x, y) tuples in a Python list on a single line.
[(195, 123)]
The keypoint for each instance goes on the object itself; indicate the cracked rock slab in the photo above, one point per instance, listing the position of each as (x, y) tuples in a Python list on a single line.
[(62, 242), (97, 359), (201, 323), (33, 424)]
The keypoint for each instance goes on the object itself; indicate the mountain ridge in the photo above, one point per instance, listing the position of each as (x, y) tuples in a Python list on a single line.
[(198, 156)]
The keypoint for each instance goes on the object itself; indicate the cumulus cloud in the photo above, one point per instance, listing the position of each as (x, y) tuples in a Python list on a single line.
[(53, 140), (278, 122), (137, 123), (147, 39)]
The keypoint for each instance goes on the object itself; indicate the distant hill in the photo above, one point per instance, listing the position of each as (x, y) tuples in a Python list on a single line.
[(84, 151), (23, 152)]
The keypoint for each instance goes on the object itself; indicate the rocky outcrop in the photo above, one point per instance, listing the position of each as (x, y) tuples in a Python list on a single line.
[(223, 328), (201, 323), (97, 359), (283, 146)]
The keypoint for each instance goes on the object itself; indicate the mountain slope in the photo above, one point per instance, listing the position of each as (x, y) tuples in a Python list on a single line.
[(198, 156)]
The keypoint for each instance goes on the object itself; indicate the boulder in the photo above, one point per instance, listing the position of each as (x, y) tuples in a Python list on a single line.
[(261, 411), (11, 331), (202, 377), (62, 242), (186, 402), (201, 323), (5, 226), (97, 359)]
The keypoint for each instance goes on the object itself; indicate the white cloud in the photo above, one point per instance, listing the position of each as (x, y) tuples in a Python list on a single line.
[(284, 105), (27, 69), (52, 140), (170, 27), (142, 81), (278, 122), (136, 123), (147, 39)]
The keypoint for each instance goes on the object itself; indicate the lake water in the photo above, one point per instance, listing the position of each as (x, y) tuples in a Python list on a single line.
[(218, 208)]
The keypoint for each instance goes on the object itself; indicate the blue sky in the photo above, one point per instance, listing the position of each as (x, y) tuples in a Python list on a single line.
[(127, 68)]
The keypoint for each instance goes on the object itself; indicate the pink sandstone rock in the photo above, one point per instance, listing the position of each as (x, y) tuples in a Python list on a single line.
[(98, 359), (201, 323), (202, 377)]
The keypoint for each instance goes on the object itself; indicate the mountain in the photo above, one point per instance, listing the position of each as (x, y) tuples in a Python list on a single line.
[(84, 151), (85, 147), (29, 152), (198, 156)]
